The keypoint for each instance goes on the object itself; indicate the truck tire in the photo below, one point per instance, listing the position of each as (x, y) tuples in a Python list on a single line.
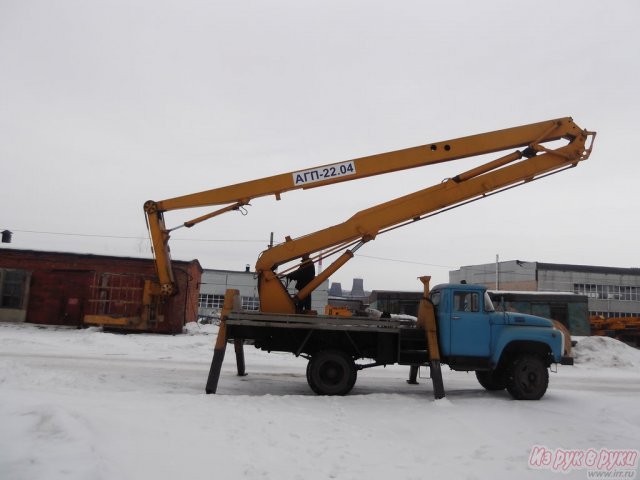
[(527, 377), (492, 380), (331, 372)]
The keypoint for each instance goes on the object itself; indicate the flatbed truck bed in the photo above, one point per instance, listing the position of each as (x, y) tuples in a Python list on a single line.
[(385, 341), (336, 340)]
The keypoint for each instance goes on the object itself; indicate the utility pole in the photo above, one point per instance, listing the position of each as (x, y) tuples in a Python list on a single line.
[(497, 272)]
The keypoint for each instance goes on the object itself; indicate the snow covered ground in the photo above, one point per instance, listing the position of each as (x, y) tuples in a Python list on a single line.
[(84, 404)]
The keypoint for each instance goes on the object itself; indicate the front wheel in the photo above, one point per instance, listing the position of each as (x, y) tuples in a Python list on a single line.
[(527, 377), (331, 372)]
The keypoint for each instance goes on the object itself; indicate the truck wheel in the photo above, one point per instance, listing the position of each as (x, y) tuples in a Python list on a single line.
[(527, 378), (492, 380), (331, 372)]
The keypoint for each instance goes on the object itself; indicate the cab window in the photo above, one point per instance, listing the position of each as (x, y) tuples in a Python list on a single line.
[(466, 302)]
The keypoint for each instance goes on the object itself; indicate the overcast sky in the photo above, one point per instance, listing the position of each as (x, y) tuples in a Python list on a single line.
[(106, 104)]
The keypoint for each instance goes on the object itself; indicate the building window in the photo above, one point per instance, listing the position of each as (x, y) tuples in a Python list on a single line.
[(250, 303), (613, 314), (12, 288), (608, 292), (207, 300)]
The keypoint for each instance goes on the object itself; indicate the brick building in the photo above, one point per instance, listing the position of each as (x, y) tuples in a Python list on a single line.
[(55, 288)]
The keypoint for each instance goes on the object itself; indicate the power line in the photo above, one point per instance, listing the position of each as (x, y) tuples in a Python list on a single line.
[(217, 240), (404, 261), (473, 269), (126, 237)]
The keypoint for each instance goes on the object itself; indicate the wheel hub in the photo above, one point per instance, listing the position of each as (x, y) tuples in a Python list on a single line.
[(331, 373)]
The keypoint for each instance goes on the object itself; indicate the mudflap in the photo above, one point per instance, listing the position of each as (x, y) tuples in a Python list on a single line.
[(566, 361)]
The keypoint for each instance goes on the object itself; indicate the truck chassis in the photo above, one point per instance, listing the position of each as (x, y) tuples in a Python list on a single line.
[(332, 344)]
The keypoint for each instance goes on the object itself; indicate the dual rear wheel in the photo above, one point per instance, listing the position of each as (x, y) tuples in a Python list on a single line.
[(331, 372)]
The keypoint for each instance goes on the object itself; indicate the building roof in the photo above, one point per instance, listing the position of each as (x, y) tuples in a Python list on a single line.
[(89, 256), (587, 268)]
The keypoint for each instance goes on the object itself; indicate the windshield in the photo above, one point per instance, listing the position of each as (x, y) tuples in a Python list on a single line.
[(488, 304), (435, 297)]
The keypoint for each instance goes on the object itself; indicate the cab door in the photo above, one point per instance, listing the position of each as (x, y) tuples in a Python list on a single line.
[(470, 326)]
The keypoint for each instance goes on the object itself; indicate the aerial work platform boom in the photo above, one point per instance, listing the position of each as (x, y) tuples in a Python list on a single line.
[(534, 156)]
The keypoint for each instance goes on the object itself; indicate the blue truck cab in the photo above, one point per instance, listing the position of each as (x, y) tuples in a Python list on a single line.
[(506, 349)]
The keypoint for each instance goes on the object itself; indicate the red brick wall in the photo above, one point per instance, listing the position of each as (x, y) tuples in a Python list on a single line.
[(60, 290)]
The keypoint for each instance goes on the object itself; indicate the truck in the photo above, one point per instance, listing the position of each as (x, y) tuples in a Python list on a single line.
[(509, 351), (530, 152)]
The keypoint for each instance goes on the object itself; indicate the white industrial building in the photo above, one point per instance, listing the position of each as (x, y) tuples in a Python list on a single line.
[(215, 283), (612, 291)]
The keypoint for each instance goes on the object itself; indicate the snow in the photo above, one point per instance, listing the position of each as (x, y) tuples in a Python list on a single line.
[(86, 404), (603, 352), (373, 313)]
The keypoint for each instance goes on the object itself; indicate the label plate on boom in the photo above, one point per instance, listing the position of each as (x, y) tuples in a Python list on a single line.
[(321, 174)]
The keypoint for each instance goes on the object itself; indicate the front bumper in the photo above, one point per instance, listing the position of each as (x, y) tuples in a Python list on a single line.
[(566, 361)]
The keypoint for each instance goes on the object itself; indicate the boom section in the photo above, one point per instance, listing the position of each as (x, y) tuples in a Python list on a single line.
[(429, 154), (513, 169), (362, 225), (480, 181)]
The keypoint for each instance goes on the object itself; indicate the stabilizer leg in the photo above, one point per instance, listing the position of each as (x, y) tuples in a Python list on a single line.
[(427, 320), (413, 375), (214, 371), (436, 379), (221, 344), (238, 345)]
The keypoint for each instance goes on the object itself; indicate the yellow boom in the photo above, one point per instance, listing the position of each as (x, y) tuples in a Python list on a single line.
[(536, 159)]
